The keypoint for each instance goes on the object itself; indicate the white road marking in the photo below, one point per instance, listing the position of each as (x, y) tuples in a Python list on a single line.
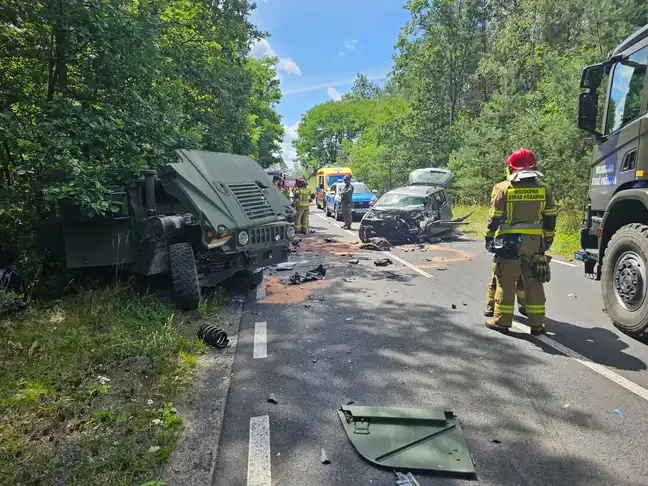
[(409, 265), (560, 262), (259, 465), (604, 371), (260, 340), (320, 216), (261, 292), (351, 233)]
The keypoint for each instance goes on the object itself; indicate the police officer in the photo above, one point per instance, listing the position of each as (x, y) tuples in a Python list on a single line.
[(346, 195), (301, 197), (523, 218)]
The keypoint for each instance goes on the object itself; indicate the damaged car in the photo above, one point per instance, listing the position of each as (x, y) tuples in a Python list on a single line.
[(413, 213)]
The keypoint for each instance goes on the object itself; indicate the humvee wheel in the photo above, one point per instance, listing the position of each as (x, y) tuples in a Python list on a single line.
[(624, 279), (184, 276)]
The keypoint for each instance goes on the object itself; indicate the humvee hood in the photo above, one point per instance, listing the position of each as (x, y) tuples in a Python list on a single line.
[(226, 189)]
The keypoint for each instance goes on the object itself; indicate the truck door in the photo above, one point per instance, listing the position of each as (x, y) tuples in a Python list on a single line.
[(615, 159)]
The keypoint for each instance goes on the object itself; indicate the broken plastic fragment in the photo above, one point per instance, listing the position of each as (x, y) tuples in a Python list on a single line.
[(272, 398), (618, 412), (496, 441), (406, 480), (350, 402), (354, 262), (286, 266), (454, 306), (382, 262), (324, 459)]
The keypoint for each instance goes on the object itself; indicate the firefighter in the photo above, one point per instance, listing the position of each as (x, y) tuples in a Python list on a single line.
[(490, 297), (346, 195), (520, 230), (301, 197)]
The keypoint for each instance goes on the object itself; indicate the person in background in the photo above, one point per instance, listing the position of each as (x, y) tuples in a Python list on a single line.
[(346, 196), (301, 198)]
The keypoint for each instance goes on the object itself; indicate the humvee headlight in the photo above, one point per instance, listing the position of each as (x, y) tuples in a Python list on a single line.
[(243, 238), (290, 232)]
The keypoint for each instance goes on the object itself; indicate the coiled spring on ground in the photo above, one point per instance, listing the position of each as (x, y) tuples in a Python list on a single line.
[(213, 336)]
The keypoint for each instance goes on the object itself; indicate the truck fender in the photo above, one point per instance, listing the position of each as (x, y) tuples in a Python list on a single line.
[(637, 194)]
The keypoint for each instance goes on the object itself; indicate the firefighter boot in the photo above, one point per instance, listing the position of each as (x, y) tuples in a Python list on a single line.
[(490, 297)]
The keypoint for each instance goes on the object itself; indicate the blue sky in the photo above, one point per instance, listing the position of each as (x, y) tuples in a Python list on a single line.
[(321, 47)]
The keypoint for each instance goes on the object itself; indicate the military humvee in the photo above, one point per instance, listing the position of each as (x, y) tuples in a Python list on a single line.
[(203, 219), (614, 234)]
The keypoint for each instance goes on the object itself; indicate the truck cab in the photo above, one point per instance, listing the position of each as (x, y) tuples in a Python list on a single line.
[(613, 108)]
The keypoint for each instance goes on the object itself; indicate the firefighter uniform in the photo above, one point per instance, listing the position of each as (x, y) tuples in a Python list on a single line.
[(285, 191), (523, 215), (490, 296), (302, 201)]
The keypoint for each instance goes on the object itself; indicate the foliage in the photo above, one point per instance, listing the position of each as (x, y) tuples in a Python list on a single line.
[(92, 92), (473, 81), (86, 385)]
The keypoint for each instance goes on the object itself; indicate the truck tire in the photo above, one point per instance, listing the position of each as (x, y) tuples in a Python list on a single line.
[(326, 210), (624, 280), (184, 276)]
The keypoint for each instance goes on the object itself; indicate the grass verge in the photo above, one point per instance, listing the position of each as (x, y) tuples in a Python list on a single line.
[(565, 243), (87, 386)]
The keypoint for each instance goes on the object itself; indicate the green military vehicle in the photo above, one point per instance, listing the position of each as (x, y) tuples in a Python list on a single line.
[(614, 234), (202, 219)]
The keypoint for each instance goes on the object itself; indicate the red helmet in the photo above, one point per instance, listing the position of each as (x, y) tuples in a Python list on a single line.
[(521, 159), (300, 182)]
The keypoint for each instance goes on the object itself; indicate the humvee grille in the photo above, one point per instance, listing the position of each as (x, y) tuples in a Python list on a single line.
[(251, 198), (267, 234)]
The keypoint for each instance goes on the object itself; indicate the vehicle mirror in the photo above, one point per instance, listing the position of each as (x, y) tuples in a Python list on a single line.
[(375, 191), (592, 76), (587, 109)]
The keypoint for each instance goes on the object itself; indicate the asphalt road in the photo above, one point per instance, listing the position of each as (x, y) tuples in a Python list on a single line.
[(569, 408)]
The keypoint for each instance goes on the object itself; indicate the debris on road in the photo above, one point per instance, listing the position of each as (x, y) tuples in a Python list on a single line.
[(350, 402), (212, 335), (407, 438), (348, 319), (349, 279), (496, 441), (316, 274), (393, 276), (406, 480), (324, 459), (311, 231), (377, 244), (618, 412), (383, 262), (285, 266), (330, 240), (454, 306), (573, 296), (354, 262), (273, 399), (442, 269), (314, 360)]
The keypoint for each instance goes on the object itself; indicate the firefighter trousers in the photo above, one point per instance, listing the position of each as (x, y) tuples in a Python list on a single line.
[(347, 213), (492, 286), (507, 272), (301, 221)]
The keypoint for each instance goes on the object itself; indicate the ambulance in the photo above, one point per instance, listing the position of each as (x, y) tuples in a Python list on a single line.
[(326, 177)]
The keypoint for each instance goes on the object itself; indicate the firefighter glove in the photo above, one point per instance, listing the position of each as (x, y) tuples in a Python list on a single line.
[(540, 268), (547, 245)]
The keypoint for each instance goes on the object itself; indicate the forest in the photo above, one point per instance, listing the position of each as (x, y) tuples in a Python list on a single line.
[(472, 81), (94, 91)]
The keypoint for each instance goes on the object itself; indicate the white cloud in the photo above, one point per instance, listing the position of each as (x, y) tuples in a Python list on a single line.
[(262, 48), (289, 66), (372, 76), (333, 93), (341, 53), (288, 152), (351, 45)]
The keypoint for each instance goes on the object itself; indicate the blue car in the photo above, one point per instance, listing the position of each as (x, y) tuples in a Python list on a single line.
[(363, 199)]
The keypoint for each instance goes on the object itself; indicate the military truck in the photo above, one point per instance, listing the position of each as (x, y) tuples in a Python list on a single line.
[(614, 234), (203, 219)]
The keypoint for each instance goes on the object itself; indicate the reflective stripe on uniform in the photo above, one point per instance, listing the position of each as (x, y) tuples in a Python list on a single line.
[(521, 228), (496, 213), (551, 212), (535, 309), (503, 308)]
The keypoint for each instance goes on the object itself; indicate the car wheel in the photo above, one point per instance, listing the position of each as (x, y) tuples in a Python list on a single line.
[(624, 280), (362, 234), (184, 276), (336, 214)]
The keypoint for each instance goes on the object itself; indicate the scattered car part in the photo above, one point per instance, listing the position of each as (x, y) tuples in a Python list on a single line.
[(406, 479), (316, 274), (354, 262), (285, 266), (324, 458), (273, 399), (213, 336), (382, 262), (408, 439), (377, 244)]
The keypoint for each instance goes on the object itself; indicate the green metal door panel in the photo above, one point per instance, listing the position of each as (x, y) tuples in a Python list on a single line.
[(408, 439), (102, 243)]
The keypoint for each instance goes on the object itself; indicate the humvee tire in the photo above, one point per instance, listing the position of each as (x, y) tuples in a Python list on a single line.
[(184, 276), (624, 280)]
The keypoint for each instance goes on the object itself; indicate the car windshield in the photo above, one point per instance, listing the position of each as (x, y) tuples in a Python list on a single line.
[(400, 201), (429, 177), (360, 188), (332, 179)]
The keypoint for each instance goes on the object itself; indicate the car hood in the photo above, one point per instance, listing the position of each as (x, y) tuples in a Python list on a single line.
[(227, 189)]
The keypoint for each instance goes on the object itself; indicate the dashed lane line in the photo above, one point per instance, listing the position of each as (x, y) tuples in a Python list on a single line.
[(259, 467), (260, 340), (261, 292), (597, 368)]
